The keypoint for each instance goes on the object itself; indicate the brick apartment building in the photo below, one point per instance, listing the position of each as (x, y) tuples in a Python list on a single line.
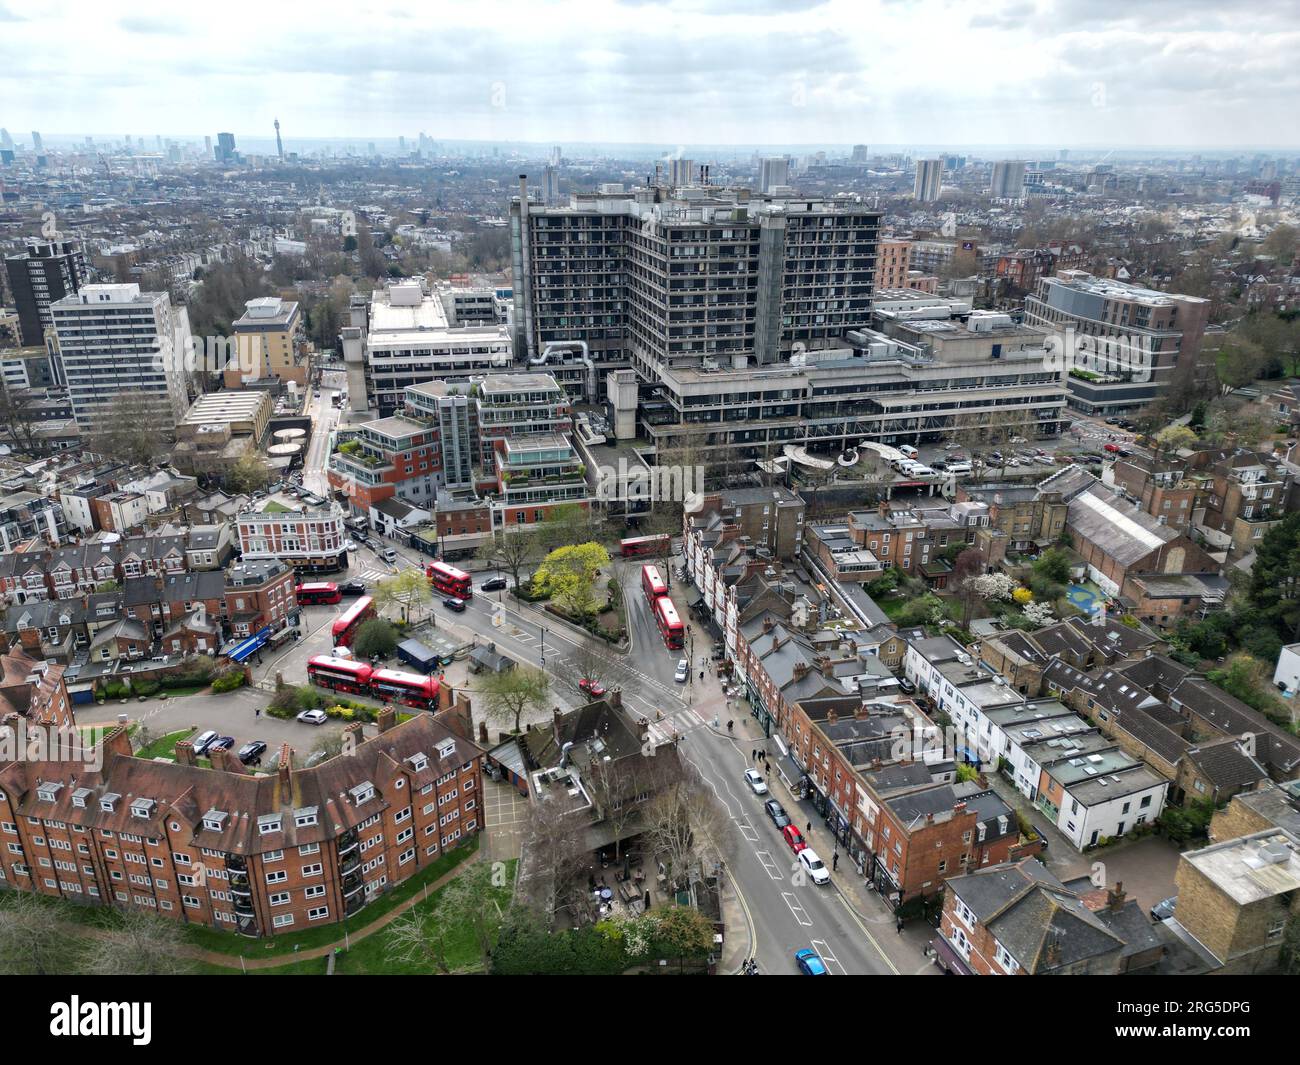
[(259, 594), (309, 539), (253, 854)]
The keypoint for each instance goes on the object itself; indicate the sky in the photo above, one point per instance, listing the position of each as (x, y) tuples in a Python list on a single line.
[(1124, 73)]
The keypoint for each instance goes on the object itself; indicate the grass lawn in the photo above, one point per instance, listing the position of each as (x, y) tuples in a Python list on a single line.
[(92, 734), (275, 508), (164, 746), (372, 956), (305, 939)]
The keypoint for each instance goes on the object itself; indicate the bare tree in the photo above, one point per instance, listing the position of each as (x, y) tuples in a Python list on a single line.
[(555, 852), (469, 901), (513, 552), (604, 668), (508, 696), (144, 945), (685, 827), (31, 941), (128, 430), (19, 420)]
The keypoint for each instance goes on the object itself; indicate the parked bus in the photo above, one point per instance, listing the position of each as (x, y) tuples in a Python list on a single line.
[(635, 546), (318, 593), (652, 583), (449, 580), (409, 689), (670, 625), (346, 624), (341, 674)]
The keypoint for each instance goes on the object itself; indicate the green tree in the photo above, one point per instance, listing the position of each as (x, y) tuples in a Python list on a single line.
[(1275, 578), (683, 932), (1173, 438), (1240, 363), (1053, 565), (508, 696), (569, 575), (375, 637), (249, 474)]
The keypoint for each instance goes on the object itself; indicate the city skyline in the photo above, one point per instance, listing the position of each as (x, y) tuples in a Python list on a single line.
[(804, 72)]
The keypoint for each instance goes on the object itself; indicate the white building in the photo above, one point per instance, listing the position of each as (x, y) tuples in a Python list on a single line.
[(1287, 674), (115, 340)]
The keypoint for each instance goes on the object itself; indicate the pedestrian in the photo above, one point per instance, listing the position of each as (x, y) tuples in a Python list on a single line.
[(730, 725), (899, 926), (808, 829), (753, 755), (257, 712), (701, 674), (835, 862)]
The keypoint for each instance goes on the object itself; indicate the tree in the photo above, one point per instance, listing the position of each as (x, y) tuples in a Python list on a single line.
[(1173, 438), (375, 637), (565, 524), (508, 696), (685, 827), (1054, 565), (249, 474), (128, 430), (967, 565), (603, 667), (683, 932), (513, 552), (32, 943), (554, 853), (407, 589), (468, 902), (1240, 363), (19, 418), (569, 574), (1281, 244), (1275, 578), (143, 945)]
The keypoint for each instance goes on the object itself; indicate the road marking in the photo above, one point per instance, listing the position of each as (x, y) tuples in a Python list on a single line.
[(800, 914), (770, 865), (870, 938), (747, 830), (824, 952)]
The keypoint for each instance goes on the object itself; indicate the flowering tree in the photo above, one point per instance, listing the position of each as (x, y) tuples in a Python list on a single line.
[(992, 586), (1039, 613)]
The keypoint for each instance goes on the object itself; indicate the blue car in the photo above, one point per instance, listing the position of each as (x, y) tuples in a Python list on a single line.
[(810, 963)]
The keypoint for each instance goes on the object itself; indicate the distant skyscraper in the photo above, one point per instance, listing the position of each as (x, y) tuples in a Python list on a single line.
[(370, 147), (859, 154), (45, 272), (773, 172), (556, 156), (226, 147), (679, 171), (1008, 180), (551, 186), (6, 141), (1062, 154), (207, 146), (929, 177), (37, 147), (401, 143), (279, 144)]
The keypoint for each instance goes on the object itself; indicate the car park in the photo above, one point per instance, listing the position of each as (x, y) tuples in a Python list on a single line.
[(793, 838), (810, 963), (777, 813), (252, 751), (203, 741), (814, 866), (755, 781), (452, 603), (313, 717), (494, 584)]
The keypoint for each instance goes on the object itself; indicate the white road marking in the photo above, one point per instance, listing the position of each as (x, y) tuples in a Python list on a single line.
[(800, 914)]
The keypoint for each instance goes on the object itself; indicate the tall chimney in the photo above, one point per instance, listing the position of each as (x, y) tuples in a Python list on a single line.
[(285, 768)]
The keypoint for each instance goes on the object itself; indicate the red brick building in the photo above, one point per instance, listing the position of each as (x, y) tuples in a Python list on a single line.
[(255, 854)]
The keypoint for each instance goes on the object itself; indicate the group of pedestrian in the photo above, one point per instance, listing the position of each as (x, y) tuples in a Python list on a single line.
[(750, 968), (758, 756)]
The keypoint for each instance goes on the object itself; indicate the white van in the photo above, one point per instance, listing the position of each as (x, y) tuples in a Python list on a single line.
[(388, 554), (909, 451), (921, 470), (959, 468)]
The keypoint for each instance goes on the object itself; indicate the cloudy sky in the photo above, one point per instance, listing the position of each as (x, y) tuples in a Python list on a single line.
[(782, 72)]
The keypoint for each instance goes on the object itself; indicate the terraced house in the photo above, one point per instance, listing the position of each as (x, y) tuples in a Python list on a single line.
[(253, 854)]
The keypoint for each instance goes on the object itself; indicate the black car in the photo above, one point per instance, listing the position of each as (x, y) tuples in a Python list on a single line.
[(906, 686), (221, 743), (495, 584), (452, 603), (252, 752), (353, 587), (777, 813), (1164, 909)]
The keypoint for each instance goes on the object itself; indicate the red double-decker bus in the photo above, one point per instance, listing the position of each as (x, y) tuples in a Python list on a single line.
[(633, 546), (341, 674), (652, 583), (670, 625), (409, 689), (346, 624), (449, 580), (313, 594)]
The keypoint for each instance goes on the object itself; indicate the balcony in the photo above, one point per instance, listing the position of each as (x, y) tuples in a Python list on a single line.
[(350, 864)]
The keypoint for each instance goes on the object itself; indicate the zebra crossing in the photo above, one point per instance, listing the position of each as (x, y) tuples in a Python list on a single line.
[(675, 725)]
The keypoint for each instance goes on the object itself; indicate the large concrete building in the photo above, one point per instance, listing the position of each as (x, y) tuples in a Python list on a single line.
[(116, 341), (40, 276), (1008, 182), (269, 343), (929, 179)]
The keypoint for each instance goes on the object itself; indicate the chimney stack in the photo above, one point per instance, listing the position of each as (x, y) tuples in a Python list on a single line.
[(185, 753), (285, 767), (386, 718), (615, 698), (800, 670), (1115, 897)]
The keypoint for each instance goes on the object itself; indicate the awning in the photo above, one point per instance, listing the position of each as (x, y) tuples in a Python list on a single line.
[(948, 957), (250, 646)]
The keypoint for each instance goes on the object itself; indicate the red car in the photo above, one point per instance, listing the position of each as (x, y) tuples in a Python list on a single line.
[(592, 687), (793, 838), (1113, 448)]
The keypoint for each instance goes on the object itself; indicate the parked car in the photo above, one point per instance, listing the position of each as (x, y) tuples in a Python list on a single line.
[(592, 687), (452, 603), (222, 743), (388, 554), (814, 866), (494, 584), (755, 781), (252, 751), (356, 586), (203, 741), (810, 963), (313, 717), (793, 838), (683, 671), (906, 686), (1164, 909), (777, 813)]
